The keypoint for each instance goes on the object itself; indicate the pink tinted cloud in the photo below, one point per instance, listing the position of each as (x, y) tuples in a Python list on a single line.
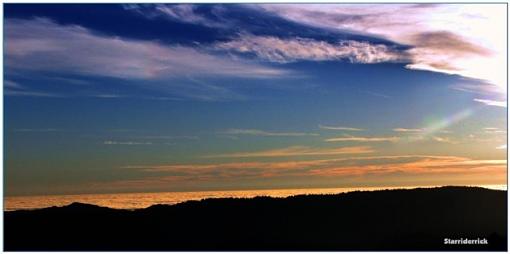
[(275, 49), (41, 44)]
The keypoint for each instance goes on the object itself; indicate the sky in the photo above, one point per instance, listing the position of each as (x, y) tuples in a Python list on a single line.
[(110, 98)]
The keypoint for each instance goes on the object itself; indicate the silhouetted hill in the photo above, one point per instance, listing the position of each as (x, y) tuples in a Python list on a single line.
[(418, 219)]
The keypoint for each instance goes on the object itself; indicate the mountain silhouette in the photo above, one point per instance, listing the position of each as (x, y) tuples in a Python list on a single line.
[(414, 220)]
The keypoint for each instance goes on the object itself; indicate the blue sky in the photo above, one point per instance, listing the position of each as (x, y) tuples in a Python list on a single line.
[(235, 96)]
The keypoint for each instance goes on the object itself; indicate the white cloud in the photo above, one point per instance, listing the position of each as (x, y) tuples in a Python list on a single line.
[(479, 89), (339, 128), (40, 44), (419, 130), (443, 140), (464, 39), (362, 139), (254, 132), (492, 102), (408, 130), (493, 130), (275, 49)]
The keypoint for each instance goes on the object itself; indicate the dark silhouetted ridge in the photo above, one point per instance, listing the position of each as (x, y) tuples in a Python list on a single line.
[(417, 219)]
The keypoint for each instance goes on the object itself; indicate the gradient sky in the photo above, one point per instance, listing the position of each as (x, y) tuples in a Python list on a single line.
[(104, 98)]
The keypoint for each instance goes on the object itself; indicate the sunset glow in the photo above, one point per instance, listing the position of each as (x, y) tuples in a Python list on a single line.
[(234, 97)]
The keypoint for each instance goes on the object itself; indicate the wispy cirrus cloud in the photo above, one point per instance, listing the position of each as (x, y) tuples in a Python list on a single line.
[(38, 130), (150, 139), (493, 130), (408, 130), (255, 132), (339, 128), (12, 88), (362, 139), (169, 137), (448, 38), (43, 45), (492, 102), (295, 151), (443, 140), (29, 93), (423, 134), (9, 84), (380, 95), (280, 50), (184, 13), (127, 143)]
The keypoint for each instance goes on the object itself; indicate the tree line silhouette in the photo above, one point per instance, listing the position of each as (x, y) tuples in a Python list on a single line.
[(416, 220)]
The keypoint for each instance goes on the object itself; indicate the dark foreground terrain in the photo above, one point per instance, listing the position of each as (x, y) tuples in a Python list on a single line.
[(418, 219)]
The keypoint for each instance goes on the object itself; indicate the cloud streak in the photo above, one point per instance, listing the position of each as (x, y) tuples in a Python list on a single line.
[(419, 166), (349, 169), (492, 102), (362, 139), (339, 128), (127, 143), (184, 13), (38, 130), (296, 151), (12, 88), (408, 130), (492, 130), (279, 50), (443, 140), (254, 132), (41, 44)]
